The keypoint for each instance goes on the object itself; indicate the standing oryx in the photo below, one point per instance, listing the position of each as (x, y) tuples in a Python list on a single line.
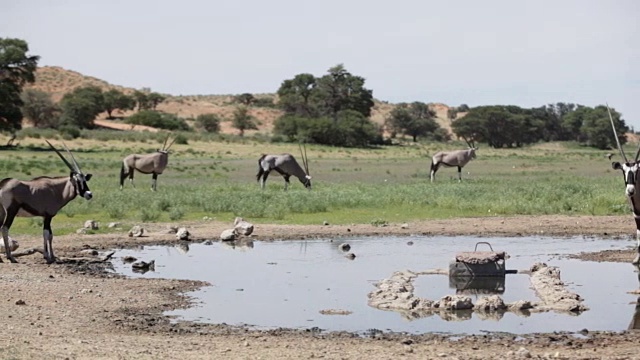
[(631, 172), (154, 164), (286, 165), (42, 196), (457, 158)]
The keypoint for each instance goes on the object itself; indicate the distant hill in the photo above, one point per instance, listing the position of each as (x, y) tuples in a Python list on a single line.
[(58, 81)]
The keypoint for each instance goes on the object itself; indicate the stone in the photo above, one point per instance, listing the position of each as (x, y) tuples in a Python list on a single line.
[(112, 225), (242, 227), (404, 226), (82, 231), (136, 231), (228, 235), (91, 225), (325, 223), (182, 234), (350, 256), (13, 244), (344, 247)]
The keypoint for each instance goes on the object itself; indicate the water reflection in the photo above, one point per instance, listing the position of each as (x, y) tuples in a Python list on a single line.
[(635, 320), (295, 280), (488, 285)]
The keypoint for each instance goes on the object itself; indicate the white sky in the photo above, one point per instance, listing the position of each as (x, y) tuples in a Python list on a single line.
[(526, 53)]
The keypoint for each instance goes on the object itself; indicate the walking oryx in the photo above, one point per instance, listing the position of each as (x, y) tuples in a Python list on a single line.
[(630, 170), (286, 165), (457, 158), (42, 196), (154, 164)]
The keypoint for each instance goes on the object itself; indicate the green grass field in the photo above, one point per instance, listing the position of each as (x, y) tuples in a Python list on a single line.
[(388, 184)]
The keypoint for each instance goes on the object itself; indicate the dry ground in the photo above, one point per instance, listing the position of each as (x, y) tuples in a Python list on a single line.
[(78, 310)]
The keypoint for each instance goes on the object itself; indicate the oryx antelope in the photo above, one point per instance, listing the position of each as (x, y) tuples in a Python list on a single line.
[(287, 166), (458, 158), (153, 164), (630, 171), (42, 196)]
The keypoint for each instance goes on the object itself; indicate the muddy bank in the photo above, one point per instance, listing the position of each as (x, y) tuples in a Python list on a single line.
[(82, 310)]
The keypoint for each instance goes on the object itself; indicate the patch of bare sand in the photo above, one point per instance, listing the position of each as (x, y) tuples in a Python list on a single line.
[(83, 311)]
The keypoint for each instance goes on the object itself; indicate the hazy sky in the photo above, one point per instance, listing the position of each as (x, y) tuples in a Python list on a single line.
[(526, 53)]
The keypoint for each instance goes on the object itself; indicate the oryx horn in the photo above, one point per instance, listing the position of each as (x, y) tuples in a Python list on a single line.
[(72, 158), (615, 134), (171, 143), (61, 157), (305, 161), (165, 142), (467, 141)]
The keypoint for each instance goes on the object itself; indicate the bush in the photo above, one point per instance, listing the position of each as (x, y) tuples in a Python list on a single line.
[(69, 132), (208, 122), (350, 129), (157, 119)]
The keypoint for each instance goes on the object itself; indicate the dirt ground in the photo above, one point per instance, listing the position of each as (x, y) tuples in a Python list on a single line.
[(78, 310)]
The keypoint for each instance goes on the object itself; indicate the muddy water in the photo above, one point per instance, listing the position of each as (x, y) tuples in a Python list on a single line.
[(288, 283)]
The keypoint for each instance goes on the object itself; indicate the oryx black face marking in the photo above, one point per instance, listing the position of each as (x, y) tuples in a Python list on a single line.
[(42, 196), (287, 166)]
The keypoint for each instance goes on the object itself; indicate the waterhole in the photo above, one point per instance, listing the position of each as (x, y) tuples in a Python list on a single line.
[(299, 284)]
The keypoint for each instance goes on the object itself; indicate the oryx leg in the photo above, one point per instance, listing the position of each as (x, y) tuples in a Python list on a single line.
[(47, 235), (459, 174), (285, 176), (636, 260), (434, 168), (265, 175), (10, 214), (131, 177), (154, 182)]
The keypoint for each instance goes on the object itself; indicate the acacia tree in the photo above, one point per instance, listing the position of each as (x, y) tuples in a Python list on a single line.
[(322, 106), (81, 106), (295, 95), (38, 107), (242, 120), (245, 99), (115, 99), (16, 69), (415, 119)]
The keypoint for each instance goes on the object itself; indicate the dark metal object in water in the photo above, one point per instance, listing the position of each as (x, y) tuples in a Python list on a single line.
[(478, 272)]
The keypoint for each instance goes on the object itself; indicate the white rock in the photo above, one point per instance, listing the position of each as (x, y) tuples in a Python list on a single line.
[(182, 234), (13, 244), (91, 224), (228, 235), (136, 231), (113, 225), (243, 227)]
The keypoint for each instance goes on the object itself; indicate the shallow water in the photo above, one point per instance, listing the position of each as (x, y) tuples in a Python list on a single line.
[(288, 283)]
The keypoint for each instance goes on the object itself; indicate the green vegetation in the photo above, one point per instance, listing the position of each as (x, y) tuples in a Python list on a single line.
[(158, 120), (16, 69), (385, 185)]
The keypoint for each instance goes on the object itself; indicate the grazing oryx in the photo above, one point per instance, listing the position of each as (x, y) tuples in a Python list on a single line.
[(457, 158), (42, 196), (631, 172), (286, 165), (154, 164)]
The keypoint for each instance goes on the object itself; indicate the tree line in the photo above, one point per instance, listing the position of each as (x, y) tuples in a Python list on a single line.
[(333, 109)]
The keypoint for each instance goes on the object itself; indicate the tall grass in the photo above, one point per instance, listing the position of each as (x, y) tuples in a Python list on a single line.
[(349, 185)]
